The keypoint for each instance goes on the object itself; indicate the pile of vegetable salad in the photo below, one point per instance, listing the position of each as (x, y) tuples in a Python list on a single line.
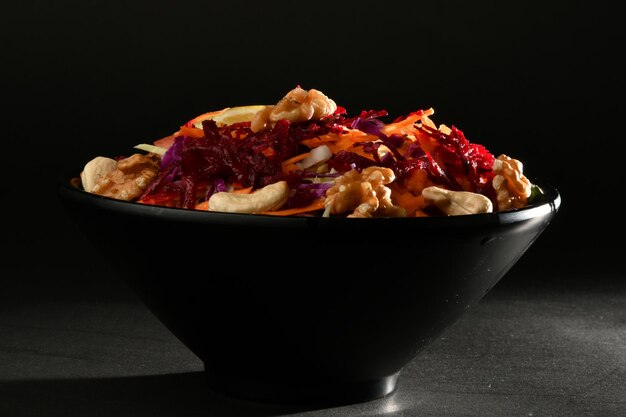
[(305, 156)]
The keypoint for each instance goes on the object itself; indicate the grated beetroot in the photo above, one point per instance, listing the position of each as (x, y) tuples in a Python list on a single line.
[(232, 154), (193, 169), (464, 159)]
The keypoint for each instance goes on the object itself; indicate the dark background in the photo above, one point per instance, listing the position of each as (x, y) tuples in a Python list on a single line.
[(540, 81)]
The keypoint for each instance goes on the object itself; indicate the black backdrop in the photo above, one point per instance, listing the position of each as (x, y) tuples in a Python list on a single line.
[(540, 81)]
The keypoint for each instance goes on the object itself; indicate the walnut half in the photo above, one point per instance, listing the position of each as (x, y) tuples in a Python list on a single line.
[(129, 179), (364, 193), (298, 105), (512, 187)]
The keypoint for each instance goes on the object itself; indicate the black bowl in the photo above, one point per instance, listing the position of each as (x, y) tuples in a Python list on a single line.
[(305, 309)]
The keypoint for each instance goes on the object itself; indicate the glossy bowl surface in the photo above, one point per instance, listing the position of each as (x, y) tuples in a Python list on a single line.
[(305, 309)]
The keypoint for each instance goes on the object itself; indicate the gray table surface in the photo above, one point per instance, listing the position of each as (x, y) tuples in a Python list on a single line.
[(90, 348)]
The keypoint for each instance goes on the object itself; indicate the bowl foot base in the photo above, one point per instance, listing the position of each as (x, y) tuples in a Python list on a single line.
[(304, 392)]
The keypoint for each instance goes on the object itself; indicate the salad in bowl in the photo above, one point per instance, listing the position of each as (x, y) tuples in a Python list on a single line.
[(305, 156)]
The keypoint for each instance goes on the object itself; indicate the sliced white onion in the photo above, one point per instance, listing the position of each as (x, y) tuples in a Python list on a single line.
[(151, 148), (318, 155)]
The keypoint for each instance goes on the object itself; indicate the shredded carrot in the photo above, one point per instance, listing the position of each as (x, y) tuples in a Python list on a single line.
[(193, 132), (408, 199), (204, 116), (202, 206), (296, 158), (165, 142), (289, 168), (320, 140), (268, 152), (417, 181), (315, 205), (205, 204), (246, 190), (289, 165), (168, 141), (405, 126), (344, 141)]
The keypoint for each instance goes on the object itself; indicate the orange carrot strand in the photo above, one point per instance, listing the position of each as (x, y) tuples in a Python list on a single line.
[(315, 205)]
